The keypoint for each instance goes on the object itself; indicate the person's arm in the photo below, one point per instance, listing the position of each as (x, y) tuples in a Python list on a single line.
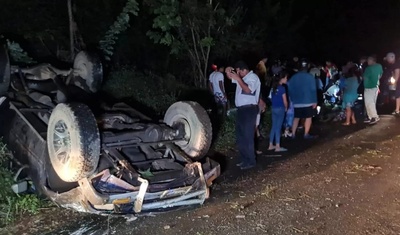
[(245, 87), (285, 101), (366, 74), (313, 88), (222, 87), (211, 87), (262, 105), (396, 74)]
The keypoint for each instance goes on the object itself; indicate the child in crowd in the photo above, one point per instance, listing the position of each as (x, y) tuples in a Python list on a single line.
[(350, 95), (289, 121), (279, 107)]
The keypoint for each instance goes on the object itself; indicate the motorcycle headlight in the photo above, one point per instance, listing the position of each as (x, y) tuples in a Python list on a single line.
[(392, 81)]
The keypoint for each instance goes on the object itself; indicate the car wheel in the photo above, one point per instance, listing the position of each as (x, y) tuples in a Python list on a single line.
[(191, 117), (5, 72), (88, 67), (73, 141)]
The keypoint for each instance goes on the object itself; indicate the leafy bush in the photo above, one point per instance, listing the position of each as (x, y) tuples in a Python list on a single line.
[(13, 205), (150, 90), (227, 134)]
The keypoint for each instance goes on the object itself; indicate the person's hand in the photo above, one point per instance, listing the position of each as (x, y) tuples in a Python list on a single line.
[(229, 72), (314, 106), (262, 105), (234, 76)]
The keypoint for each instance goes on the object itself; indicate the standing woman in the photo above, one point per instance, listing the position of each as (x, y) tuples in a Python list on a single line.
[(279, 107), (350, 95)]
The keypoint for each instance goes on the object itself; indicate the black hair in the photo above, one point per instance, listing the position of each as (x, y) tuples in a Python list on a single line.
[(277, 78), (373, 57), (354, 71), (241, 65)]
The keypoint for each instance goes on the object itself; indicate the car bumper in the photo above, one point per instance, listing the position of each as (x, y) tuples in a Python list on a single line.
[(87, 198)]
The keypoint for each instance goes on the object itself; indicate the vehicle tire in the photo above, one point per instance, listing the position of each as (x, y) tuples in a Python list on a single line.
[(5, 72), (197, 126), (88, 67), (73, 141)]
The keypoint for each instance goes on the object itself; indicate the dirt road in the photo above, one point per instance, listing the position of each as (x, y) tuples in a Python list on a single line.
[(347, 182)]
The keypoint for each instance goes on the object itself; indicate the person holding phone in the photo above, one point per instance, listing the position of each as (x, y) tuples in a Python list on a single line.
[(247, 96)]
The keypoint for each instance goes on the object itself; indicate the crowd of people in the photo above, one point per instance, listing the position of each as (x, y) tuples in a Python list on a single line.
[(294, 91)]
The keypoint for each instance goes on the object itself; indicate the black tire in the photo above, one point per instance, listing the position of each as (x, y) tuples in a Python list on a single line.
[(88, 67), (197, 122), (75, 155), (5, 71)]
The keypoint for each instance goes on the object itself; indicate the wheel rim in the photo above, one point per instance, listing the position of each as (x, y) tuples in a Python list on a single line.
[(61, 142), (181, 122)]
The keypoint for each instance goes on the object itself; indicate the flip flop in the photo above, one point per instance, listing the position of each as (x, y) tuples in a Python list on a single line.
[(281, 150)]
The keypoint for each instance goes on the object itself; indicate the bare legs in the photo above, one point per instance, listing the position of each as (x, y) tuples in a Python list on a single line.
[(295, 125), (350, 118), (397, 105), (307, 126)]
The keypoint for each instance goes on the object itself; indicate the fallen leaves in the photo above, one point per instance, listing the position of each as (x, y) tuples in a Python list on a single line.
[(373, 169), (269, 191)]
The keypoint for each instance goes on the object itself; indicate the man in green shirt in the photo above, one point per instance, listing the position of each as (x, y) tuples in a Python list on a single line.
[(371, 78)]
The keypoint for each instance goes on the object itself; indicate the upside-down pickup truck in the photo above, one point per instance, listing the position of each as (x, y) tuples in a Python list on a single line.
[(99, 158)]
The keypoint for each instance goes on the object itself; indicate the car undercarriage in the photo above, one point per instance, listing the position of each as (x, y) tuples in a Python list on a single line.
[(101, 158)]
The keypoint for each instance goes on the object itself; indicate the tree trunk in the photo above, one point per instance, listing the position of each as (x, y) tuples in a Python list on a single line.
[(71, 30)]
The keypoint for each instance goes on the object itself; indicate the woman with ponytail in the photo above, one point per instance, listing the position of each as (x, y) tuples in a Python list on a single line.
[(279, 107)]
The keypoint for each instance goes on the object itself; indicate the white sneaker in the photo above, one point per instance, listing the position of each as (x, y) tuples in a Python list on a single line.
[(2, 99)]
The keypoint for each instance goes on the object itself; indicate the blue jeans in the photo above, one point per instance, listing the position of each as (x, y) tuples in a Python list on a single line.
[(278, 116), (245, 133)]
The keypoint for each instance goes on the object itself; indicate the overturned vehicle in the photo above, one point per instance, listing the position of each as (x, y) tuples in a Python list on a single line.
[(100, 158)]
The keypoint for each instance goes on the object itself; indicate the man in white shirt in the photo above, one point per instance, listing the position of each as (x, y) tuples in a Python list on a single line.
[(217, 88), (246, 100)]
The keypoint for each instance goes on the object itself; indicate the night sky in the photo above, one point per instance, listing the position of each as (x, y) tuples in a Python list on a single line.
[(346, 29), (343, 30)]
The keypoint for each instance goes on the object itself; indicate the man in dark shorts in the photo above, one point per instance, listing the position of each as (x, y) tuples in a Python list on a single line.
[(303, 94)]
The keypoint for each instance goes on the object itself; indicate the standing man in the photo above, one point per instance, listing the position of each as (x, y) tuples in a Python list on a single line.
[(246, 100), (217, 88), (303, 94), (371, 77), (395, 73)]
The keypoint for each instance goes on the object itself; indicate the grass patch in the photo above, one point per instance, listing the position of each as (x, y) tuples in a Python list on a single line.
[(148, 89), (13, 205), (227, 135)]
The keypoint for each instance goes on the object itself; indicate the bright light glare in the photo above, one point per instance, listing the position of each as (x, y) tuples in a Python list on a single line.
[(318, 109), (392, 80)]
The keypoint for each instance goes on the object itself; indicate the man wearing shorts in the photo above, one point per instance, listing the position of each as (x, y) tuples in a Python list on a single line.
[(217, 88), (303, 94)]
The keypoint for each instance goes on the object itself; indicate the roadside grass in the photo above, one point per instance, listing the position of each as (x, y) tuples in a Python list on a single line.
[(13, 205)]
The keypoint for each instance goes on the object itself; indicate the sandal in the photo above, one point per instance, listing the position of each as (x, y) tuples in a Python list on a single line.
[(346, 124)]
